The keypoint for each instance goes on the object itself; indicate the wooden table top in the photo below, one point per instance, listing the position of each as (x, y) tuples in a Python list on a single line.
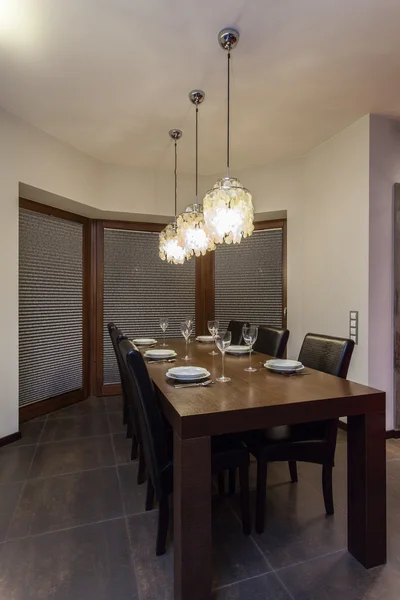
[(254, 400)]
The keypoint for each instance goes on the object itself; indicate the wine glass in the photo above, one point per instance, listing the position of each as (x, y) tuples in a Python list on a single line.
[(186, 330), (250, 333), (189, 322), (164, 327), (223, 341), (213, 327)]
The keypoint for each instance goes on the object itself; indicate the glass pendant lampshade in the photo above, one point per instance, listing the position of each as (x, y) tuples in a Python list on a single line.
[(192, 231), (228, 206), (170, 248)]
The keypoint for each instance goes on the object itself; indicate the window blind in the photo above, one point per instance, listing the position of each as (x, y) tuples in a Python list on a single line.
[(139, 288), (50, 306), (248, 279)]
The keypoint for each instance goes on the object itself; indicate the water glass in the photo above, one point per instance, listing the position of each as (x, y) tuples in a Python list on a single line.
[(164, 327), (223, 341), (250, 333), (213, 327), (186, 330), (189, 322)]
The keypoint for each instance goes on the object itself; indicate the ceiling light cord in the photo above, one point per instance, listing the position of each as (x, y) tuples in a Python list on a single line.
[(197, 154), (176, 176), (228, 137)]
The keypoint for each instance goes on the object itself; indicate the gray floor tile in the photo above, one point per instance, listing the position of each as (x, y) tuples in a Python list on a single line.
[(15, 463), (85, 407), (116, 424), (154, 574), (30, 433), (122, 447), (67, 501), (9, 495), (296, 527), (339, 576), (114, 404), (133, 495), (81, 564), (75, 427), (266, 587), (72, 456), (235, 556)]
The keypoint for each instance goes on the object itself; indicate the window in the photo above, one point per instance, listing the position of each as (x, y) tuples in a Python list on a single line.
[(249, 279), (139, 288)]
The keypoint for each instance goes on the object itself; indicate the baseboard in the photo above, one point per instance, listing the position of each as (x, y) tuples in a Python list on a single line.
[(9, 439), (390, 434)]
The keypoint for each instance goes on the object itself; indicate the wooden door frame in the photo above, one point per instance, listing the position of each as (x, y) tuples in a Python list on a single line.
[(41, 407)]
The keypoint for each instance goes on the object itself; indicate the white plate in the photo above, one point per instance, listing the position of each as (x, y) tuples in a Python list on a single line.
[(238, 350), (187, 373), (283, 365), (205, 339), (158, 353), (277, 370), (144, 342)]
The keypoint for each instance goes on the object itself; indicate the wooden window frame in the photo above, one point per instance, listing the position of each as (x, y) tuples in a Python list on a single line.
[(42, 407)]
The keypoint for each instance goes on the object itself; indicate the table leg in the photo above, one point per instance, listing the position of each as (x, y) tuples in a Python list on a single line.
[(366, 460), (192, 518)]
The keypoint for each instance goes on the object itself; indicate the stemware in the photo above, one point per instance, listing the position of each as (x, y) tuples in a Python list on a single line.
[(223, 341), (186, 330), (189, 322), (213, 327), (250, 333), (164, 327)]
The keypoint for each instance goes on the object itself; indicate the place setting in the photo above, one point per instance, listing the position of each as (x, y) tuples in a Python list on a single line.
[(283, 366), (183, 377)]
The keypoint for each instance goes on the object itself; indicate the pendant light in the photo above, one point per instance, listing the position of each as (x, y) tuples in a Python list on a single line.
[(192, 232), (228, 207), (169, 247)]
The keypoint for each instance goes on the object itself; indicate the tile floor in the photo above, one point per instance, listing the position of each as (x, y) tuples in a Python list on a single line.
[(72, 525)]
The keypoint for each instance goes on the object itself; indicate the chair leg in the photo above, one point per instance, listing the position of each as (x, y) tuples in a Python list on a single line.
[(125, 414), (221, 483), (163, 522), (232, 482), (293, 471), (149, 495), (141, 476), (327, 488), (134, 450), (261, 495), (245, 499)]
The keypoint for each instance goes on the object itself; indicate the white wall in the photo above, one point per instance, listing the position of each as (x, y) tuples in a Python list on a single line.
[(336, 239), (384, 173)]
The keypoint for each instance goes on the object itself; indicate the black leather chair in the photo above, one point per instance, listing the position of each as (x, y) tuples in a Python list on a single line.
[(227, 452), (309, 442), (236, 329), (115, 333), (271, 341)]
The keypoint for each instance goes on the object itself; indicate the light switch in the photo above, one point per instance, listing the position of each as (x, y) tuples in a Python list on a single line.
[(353, 326)]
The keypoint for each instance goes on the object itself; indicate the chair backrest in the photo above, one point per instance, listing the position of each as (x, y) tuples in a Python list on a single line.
[(115, 335), (326, 353), (141, 392), (271, 341), (235, 327)]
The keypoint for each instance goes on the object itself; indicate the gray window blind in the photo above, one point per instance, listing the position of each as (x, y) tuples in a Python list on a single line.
[(139, 288), (50, 306), (248, 280)]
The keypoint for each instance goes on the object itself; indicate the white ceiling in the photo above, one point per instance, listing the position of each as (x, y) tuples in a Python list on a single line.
[(111, 77)]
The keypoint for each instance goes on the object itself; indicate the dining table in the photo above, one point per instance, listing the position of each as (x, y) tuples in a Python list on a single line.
[(258, 400)]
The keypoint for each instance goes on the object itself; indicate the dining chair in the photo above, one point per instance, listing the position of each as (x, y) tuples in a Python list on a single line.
[(308, 442), (115, 333), (226, 451), (236, 329), (271, 341)]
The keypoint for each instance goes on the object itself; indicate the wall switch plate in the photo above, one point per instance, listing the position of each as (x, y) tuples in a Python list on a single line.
[(353, 326)]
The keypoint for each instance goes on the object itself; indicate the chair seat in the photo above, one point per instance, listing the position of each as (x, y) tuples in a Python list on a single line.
[(289, 449), (228, 452)]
